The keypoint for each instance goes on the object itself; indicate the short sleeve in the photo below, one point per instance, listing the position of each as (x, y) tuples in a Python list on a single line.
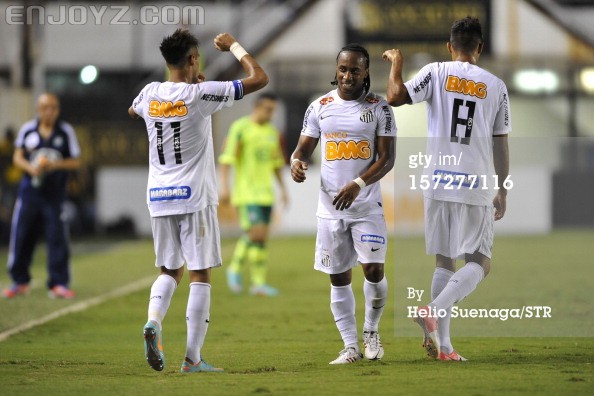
[(73, 146), (502, 125), (386, 124), (229, 154), (215, 95), (420, 87), (311, 126), (139, 105), (19, 142)]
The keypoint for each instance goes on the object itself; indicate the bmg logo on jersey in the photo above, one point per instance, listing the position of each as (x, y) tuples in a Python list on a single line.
[(347, 150), (466, 87), (167, 109)]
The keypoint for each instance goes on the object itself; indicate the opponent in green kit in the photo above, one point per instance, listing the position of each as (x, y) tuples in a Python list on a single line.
[(254, 151)]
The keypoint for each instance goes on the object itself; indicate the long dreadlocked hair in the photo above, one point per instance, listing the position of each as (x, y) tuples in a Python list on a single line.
[(354, 47)]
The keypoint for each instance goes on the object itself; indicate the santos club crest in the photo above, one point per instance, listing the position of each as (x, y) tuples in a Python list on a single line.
[(366, 116)]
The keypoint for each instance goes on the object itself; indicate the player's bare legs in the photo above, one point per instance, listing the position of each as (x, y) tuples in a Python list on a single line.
[(375, 289)]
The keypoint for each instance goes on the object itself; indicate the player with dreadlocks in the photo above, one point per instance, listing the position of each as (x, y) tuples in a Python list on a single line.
[(358, 133), (361, 50)]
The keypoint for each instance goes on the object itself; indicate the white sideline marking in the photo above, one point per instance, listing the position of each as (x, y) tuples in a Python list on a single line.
[(80, 306)]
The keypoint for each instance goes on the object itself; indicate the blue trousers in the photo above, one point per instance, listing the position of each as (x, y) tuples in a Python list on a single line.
[(26, 224)]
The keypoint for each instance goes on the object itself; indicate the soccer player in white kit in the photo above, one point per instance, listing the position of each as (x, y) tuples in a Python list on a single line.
[(357, 133), (182, 189), (468, 119)]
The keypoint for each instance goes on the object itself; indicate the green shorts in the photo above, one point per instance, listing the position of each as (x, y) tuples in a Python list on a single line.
[(250, 215)]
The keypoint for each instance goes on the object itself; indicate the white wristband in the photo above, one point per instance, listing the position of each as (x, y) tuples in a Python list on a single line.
[(360, 182), (293, 161), (237, 50)]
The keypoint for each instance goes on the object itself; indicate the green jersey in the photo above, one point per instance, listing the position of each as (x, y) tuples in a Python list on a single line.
[(255, 153)]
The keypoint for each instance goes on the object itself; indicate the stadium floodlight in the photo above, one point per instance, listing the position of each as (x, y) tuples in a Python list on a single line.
[(536, 81), (88, 74), (587, 79)]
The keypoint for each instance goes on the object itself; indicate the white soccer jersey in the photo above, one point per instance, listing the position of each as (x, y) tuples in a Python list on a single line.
[(466, 106), (347, 130), (181, 157)]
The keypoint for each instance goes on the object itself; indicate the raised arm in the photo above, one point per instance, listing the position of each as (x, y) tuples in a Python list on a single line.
[(300, 157), (501, 163), (257, 78), (397, 94)]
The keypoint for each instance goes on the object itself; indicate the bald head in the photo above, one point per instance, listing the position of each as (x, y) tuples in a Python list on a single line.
[(48, 109)]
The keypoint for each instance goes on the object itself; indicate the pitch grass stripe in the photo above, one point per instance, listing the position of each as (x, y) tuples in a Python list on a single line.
[(80, 306)]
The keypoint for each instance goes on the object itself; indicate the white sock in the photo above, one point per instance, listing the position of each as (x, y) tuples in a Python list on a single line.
[(375, 299), (161, 293), (197, 317), (460, 285), (342, 303), (441, 276)]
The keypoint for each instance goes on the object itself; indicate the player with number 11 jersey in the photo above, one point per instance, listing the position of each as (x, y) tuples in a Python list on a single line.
[(177, 116), (181, 193)]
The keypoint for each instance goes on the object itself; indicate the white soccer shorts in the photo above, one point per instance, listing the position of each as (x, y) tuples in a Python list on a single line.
[(193, 238), (454, 229), (341, 243)]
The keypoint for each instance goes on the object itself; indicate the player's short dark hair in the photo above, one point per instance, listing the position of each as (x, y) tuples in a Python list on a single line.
[(466, 34), (175, 48), (354, 47)]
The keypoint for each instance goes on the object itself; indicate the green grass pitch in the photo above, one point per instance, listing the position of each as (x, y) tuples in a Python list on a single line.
[(282, 346)]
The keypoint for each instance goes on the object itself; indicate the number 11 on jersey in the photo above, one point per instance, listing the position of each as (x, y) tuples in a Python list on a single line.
[(176, 126)]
